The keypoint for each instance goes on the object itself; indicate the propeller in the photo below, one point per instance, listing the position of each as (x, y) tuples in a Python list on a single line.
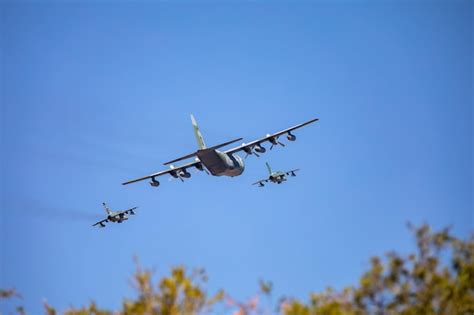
[(250, 151), (199, 167), (174, 174), (275, 142)]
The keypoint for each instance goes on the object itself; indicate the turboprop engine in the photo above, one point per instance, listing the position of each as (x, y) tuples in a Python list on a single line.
[(291, 136), (260, 149), (154, 182), (184, 173)]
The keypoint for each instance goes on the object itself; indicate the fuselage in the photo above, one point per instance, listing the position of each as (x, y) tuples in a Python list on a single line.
[(277, 177), (221, 164), (116, 217)]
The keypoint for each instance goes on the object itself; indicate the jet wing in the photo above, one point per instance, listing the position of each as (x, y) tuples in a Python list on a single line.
[(260, 182), (292, 172), (101, 223), (128, 211), (172, 171), (272, 138)]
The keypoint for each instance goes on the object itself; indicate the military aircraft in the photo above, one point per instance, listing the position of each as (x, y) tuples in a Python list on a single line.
[(218, 163), (275, 177), (115, 216)]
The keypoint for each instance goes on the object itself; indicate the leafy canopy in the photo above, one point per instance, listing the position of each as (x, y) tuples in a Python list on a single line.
[(436, 279)]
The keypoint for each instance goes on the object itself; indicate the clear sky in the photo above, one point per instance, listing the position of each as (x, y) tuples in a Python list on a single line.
[(95, 94)]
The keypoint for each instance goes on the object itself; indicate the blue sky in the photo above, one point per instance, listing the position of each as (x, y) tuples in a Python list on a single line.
[(97, 93)]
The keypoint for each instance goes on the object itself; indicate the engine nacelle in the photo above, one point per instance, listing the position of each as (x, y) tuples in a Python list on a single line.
[(184, 173), (291, 136), (273, 140), (247, 150), (260, 149), (199, 167), (154, 182)]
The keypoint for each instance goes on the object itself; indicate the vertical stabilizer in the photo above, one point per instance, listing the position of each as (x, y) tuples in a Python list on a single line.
[(106, 208), (198, 134), (269, 168)]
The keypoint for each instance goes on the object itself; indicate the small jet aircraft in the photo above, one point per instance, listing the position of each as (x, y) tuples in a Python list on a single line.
[(275, 177), (115, 216), (216, 162)]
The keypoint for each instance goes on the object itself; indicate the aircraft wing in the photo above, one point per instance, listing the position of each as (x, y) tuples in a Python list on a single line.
[(172, 171), (292, 172), (272, 138), (260, 182), (128, 211), (101, 223)]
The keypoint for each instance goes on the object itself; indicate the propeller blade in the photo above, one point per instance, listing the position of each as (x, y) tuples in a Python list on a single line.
[(282, 144)]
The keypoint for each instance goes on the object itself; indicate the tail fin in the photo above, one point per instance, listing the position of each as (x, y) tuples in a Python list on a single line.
[(106, 208), (269, 168), (198, 134)]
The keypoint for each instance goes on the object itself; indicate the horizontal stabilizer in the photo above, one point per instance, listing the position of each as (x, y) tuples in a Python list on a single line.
[(181, 158), (211, 148)]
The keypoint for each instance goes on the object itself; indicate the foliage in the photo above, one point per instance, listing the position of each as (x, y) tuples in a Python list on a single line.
[(437, 279)]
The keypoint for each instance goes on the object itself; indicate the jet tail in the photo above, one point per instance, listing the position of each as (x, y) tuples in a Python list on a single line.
[(269, 168), (211, 148), (197, 133), (107, 210)]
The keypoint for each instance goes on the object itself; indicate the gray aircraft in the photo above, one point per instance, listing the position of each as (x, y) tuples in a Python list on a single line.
[(115, 216), (275, 177), (218, 163)]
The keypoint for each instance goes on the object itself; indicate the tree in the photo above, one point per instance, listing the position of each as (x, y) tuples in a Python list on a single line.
[(437, 279)]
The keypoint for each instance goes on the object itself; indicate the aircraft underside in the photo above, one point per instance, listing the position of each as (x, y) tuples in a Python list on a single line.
[(118, 219), (221, 164)]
